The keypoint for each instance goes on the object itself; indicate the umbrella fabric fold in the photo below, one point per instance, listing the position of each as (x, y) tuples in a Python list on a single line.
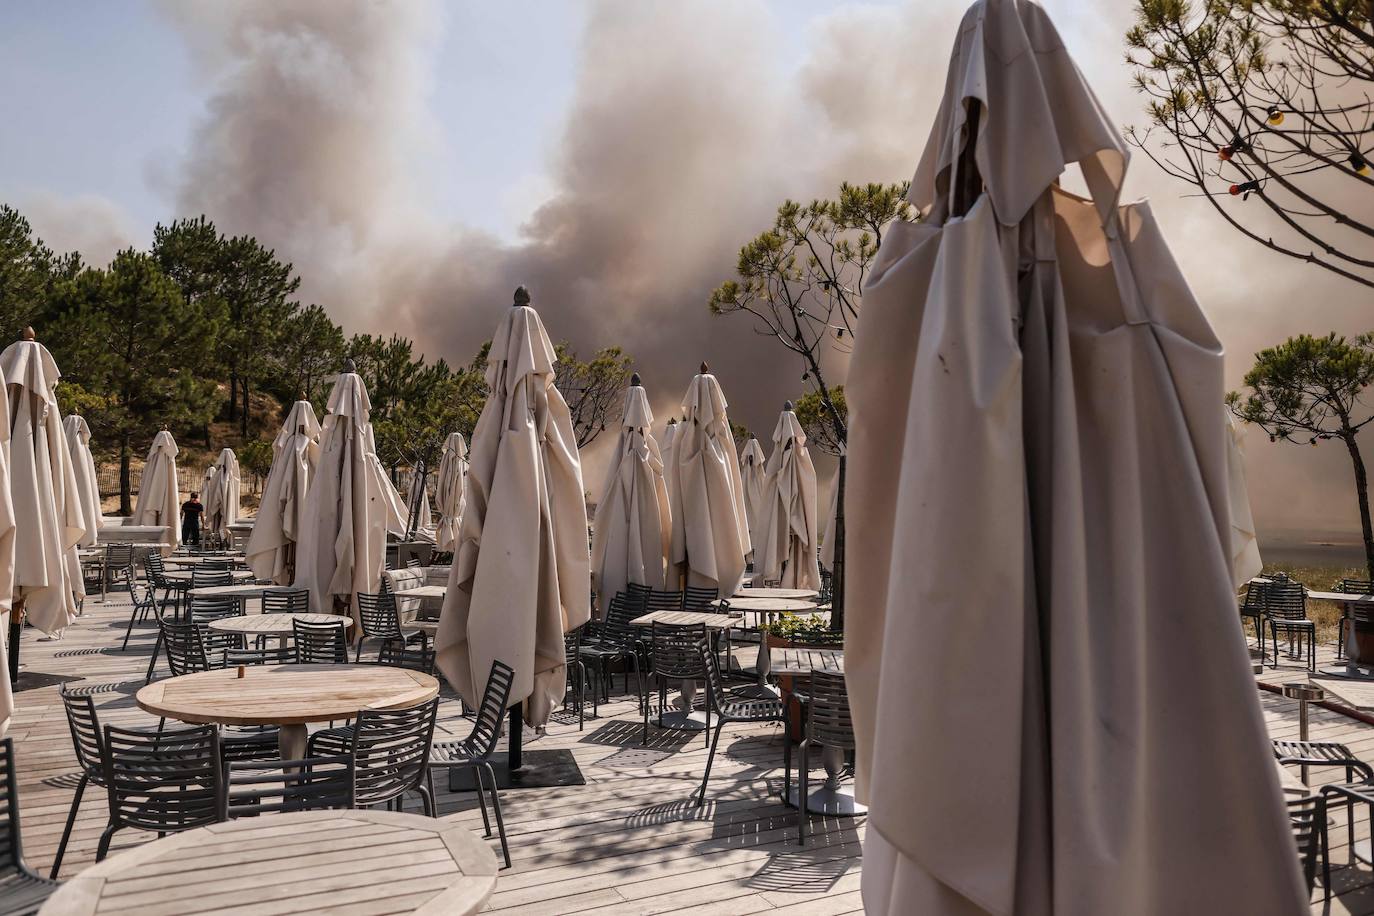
[(341, 549), (710, 528), (753, 471), (47, 506), (159, 500), (78, 436), (450, 491), (786, 548), (395, 516), (832, 514), (7, 557), (1245, 554), (281, 514), (222, 500), (521, 575), (633, 522), (1041, 618), (424, 518)]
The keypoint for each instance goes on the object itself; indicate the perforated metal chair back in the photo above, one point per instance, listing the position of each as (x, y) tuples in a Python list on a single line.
[(185, 647), (293, 601), (695, 598), (1286, 601), (254, 787), (164, 781), (828, 721), (1256, 594), (320, 643), (84, 724), (675, 650), (378, 615), (486, 726), (155, 569), (391, 751)]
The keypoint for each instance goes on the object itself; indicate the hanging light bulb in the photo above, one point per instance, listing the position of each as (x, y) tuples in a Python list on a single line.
[(1275, 115), (1226, 152), (1245, 187), (1358, 164)]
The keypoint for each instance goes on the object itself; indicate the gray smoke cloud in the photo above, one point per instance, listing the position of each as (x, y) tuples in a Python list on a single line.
[(684, 132)]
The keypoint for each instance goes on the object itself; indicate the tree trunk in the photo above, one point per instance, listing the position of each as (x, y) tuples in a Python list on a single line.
[(243, 425), (233, 394), (1362, 491), (125, 507)]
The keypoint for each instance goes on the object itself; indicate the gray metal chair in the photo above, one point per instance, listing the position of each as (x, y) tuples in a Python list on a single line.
[(1307, 817), (674, 656), (381, 622), (320, 643), (22, 890), (389, 750), (828, 724), (164, 781), (1285, 607), (286, 601), (735, 707), (255, 787), (1346, 586), (89, 748)]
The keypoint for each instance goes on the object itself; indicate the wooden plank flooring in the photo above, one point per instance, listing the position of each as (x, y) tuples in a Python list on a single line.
[(629, 842)]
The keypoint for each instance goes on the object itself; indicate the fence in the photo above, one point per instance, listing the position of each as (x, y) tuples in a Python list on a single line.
[(188, 479)]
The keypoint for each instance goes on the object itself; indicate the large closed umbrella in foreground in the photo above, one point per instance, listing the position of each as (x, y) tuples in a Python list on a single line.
[(450, 491), (1055, 708), (785, 548), (633, 522), (521, 575), (222, 502), (9, 664), (710, 529), (753, 470), (342, 545), (47, 507), (159, 500), (271, 550)]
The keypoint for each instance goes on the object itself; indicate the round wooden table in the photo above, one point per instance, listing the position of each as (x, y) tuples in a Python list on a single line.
[(804, 594), (316, 861), (288, 696)]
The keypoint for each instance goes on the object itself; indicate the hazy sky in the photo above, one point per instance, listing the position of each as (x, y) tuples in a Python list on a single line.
[(416, 160)]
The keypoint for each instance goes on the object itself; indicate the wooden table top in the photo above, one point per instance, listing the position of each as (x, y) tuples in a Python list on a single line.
[(270, 624), (423, 591), (1358, 694), (802, 593), (801, 662), (285, 694), (772, 605), (246, 590), (366, 861), (1342, 597), (687, 619), (204, 561)]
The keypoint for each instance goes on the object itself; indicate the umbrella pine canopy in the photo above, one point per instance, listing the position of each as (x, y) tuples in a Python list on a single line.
[(159, 500), (280, 520), (450, 491), (753, 471), (47, 507), (710, 529), (341, 549), (1041, 617), (522, 573), (786, 549), (633, 522)]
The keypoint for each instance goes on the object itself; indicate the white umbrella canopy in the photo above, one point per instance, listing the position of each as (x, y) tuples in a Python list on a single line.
[(78, 436), (281, 514), (665, 445), (341, 549), (395, 507), (1245, 554), (710, 528), (222, 502), (419, 497), (831, 519), (786, 548), (753, 471), (47, 506), (159, 500), (633, 522), (522, 572), (450, 490), (7, 536), (1037, 398)]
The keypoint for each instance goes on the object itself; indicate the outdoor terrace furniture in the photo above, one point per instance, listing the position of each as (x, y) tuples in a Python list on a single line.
[(410, 607), (474, 752), (407, 655), (87, 744), (674, 656), (389, 750), (318, 643), (572, 659), (381, 623), (1350, 587), (699, 599), (828, 723), (254, 787), (733, 707), (655, 599), (1357, 788), (1252, 609), (286, 601), (22, 890), (162, 781), (204, 610), (616, 639), (141, 605), (1307, 817), (1285, 608)]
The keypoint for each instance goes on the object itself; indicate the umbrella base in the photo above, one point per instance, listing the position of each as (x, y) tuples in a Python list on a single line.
[(1350, 672), (541, 770), (684, 721), (837, 802), (1363, 851)]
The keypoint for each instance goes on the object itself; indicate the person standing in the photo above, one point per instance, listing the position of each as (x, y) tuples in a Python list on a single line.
[(191, 511)]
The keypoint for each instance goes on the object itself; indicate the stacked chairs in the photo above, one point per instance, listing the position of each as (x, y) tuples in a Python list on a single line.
[(1252, 609)]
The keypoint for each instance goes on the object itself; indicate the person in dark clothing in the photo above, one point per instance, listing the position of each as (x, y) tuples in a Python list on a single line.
[(190, 520)]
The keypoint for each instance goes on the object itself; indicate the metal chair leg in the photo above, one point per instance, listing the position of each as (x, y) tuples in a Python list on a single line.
[(715, 740), (481, 797), (496, 803), (71, 820), (803, 791)]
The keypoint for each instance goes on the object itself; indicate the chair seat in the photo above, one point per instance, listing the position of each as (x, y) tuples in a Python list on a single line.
[(447, 753), (1312, 751), (329, 742), (23, 893), (1286, 624), (753, 708), (250, 743)]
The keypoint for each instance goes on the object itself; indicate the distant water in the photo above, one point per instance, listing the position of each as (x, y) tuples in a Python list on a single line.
[(1312, 548)]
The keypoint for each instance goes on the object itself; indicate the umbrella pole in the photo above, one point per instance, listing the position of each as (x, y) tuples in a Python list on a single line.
[(16, 630), (837, 574), (517, 734)]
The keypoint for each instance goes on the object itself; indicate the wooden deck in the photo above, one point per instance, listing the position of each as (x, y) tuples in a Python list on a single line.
[(629, 842)]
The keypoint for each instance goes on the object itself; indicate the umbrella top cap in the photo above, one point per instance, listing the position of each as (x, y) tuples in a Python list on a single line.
[(787, 406), (705, 369), (349, 365), (27, 334), (635, 382), (522, 297)]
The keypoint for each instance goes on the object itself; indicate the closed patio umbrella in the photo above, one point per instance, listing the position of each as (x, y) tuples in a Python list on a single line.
[(222, 502), (271, 550), (7, 615), (521, 575), (395, 514), (710, 530), (47, 506), (341, 549), (786, 548), (159, 500), (828, 534), (665, 445), (1245, 555), (450, 490), (78, 436), (633, 522), (753, 470), (417, 505), (1055, 710)]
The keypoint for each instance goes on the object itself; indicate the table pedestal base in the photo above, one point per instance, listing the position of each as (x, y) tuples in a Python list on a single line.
[(1350, 671), (539, 770), (831, 797), (685, 721), (291, 741), (1363, 852)]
